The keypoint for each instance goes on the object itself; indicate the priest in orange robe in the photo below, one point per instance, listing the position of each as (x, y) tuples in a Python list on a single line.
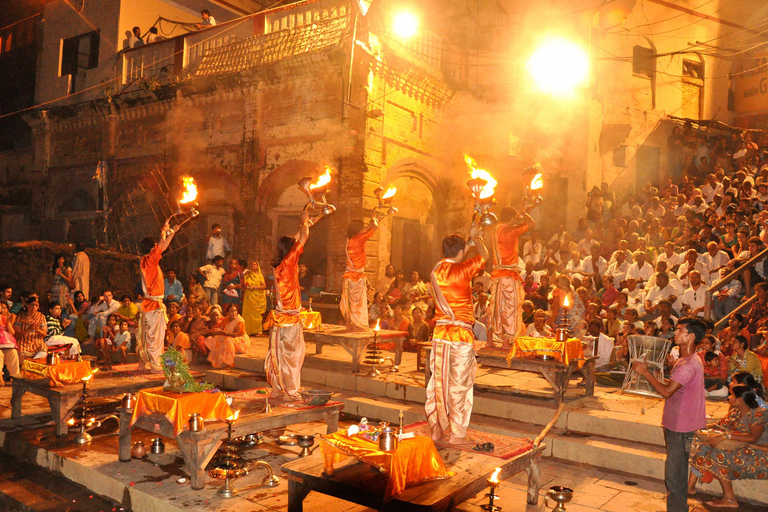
[(150, 336), (449, 390), (505, 309), (354, 294), (286, 338)]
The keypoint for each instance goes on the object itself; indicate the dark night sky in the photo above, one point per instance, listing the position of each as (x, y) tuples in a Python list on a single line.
[(14, 10)]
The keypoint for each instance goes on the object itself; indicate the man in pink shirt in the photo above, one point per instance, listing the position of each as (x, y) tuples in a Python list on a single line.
[(684, 408)]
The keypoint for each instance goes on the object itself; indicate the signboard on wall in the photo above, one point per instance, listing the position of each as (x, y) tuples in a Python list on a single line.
[(751, 87)]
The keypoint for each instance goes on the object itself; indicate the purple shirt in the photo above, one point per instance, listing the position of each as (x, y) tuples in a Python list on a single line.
[(685, 410)]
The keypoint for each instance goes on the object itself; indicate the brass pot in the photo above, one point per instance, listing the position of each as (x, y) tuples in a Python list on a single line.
[(52, 358), (561, 335), (139, 450), (388, 439), (196, 423)]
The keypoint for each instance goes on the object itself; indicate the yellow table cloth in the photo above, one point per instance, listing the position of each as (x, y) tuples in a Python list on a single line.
[(415, 461), (58, 375), (310, 319), (178, 407), (565, 352)]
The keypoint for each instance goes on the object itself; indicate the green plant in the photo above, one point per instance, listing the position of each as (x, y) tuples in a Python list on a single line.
[(175, 368)]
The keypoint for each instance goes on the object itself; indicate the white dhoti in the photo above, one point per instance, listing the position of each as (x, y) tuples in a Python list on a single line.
[(449, 391), (285, 359), (354, 303), (64, 340), (150, 339), (505, 308)]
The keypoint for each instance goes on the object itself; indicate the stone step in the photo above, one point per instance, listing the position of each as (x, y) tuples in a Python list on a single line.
[(580, 436)]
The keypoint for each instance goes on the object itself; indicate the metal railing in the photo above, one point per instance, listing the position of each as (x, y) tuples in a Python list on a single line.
[(709, 297)]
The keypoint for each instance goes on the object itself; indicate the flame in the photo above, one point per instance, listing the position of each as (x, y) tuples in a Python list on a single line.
[(537, 182), (495, 476), (322, 180), (234, 416), (482, 174), (71, 421), (190, 190), (389, 193), (377, 328), (566, 302)]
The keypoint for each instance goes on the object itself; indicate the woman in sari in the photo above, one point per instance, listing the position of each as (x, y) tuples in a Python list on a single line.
[(62, 279), (31, 330), (254, 300), (745, 421), (232, 285), (229, 340), (9, 351)]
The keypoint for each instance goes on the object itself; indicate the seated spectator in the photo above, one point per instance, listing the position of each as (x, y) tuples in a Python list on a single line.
[(105, 344), (55, 326), (228, 340), (694, 298), (667, 329), (180, 342), (690, 264), (539, 327), (633, 319), (196, 295), (612, 322), (745, 421), (374, 310), (758, 312), (194, 324), (128, 312), (618, 268), (650, 329), (174, 291), (744, 359), (173, 313), (640, 270), (715, 368), (122, 341), (9, 350), (727, 335), (399, 322), (605, 344), (101, 309), (662, 290), (31, 329), (635, 295), (528, 311), (418, 330)]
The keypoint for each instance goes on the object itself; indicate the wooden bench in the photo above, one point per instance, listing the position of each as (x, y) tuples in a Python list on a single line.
[(556, 373), (63, 399), (197, 448), (355, 343), (359, 483)]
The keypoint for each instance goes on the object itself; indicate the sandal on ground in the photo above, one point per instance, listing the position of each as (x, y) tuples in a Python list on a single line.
[(484, 447), (729, 504)]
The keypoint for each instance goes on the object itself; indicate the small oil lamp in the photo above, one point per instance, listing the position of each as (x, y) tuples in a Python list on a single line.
[(482, 186), (315, 192), (83, 436), (493, 483), (227, 490), (385, 201), (561, 333)]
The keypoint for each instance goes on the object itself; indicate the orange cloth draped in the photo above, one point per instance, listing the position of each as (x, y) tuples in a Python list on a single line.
[(287, 290), (153, 279), (454, 280), (178, 407), (415, 461), (310, 319), (356, 256), (59, 375), (505, 241), (566, 352)]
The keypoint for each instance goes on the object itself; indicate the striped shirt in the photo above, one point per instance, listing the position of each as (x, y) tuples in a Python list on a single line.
[(54, 327)]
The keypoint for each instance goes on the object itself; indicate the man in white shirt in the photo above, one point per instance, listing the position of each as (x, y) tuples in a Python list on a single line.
[(382, 287), (726, 299), (586, 244), (635, 295), (662, 290), (694, 297), (640, 270), (208, 20), (213, 273), (711, 188), (623, 247), (100, 312), (618, 269), (216, 244), (714, 259), (533, 250), (594, 265), (690, 264), (670, 256)]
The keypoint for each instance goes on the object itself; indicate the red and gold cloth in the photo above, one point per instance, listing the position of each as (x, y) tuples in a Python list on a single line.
[(310, 319), (562, 351), (415, 461), (178, 407), (59, 375)]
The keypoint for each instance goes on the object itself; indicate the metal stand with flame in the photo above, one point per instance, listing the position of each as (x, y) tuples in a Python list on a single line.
[(481, 185), (230, 466), (316, 193), (563, 330), (374, 358), (385, 202), (532, 197), (493, 483), (83, 436), (187, 203)]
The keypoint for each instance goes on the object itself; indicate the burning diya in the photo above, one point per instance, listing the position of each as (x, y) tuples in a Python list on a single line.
[(482, 186), (385, 202), (316, 192)]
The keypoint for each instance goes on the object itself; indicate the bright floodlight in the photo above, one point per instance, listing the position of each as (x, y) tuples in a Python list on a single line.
[(405, 25), (559, 67)]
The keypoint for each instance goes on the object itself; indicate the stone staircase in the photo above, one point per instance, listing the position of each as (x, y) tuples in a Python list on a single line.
[(611, 431)]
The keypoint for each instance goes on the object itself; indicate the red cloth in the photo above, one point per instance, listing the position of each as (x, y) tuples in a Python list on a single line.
[(505, 250)]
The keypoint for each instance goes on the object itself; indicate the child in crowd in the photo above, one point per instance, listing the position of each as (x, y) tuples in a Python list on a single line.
[(104, 345), (181, 342), (122, 341)]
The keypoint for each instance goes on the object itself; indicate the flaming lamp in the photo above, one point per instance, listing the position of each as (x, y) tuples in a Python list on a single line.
[(83, 436), (385, 200), (227, 490), (316, 192), (187, 202), (532, 197), (493, 483), (481, 185)]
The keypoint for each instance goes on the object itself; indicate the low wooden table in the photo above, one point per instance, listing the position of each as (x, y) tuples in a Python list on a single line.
[(197, 448), (354, 343), (357, 482), (63, 399)]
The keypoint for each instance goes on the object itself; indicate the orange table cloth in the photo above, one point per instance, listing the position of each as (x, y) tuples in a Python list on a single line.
[(566, 352), (415, 461), (310, 319), (178, 407), (58, 375)]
